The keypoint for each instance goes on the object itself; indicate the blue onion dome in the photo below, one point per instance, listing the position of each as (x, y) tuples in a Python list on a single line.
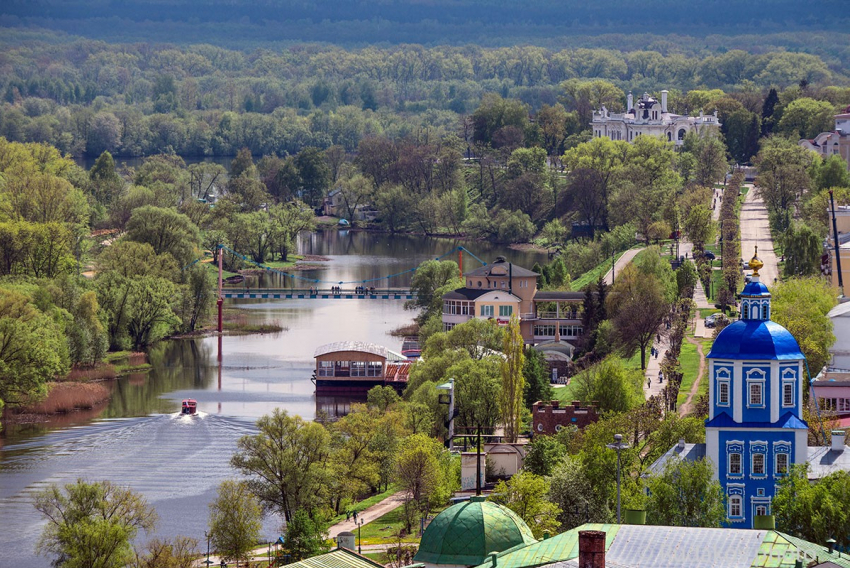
[(755, 340)]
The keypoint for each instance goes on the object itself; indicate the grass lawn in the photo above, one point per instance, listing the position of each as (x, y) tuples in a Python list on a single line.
[(705, 312), (293, 258), (366, 503), (564, 394), (689, 361), (214, 269), (383, 529), (633, 362), (593, 275)]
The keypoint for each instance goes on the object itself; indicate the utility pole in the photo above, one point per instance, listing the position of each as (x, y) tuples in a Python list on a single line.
[(835, 241), (220, 301)]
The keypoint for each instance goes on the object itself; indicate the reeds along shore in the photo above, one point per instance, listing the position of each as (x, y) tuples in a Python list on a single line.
[(69, 396)]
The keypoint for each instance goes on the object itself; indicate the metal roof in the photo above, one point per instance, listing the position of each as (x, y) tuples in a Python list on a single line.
[(362, 346), (787, 420), (823, 460), (560, 295), (817, 552), (501, 268), (755, 340), (690, 452), (549, 551), (339, 558), (465, 533), (466, 293)]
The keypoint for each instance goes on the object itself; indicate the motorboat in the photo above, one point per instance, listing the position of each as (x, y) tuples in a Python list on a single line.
[(410, 347), (189, 407)]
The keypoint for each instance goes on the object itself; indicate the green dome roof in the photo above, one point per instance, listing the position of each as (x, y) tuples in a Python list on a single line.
[(465, 533)]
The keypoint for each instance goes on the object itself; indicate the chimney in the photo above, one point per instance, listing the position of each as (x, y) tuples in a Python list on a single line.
[(681, 445), (630, 102), (664, 101), (838, 440), (591, 549)]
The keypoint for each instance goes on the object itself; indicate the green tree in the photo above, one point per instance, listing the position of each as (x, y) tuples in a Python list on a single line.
[(513, 380), (91, 525), (235, 521), (573, 491), (806, 118), (685, 495), (813, 511), (425, 473), (537, 378), (543, 455), (304, 537), (801, 305), (637, 304), (314, 173), (286, 461), (526, 494), (830, 173), (615, 387), (710, 154), (242, 164), (166, 230), (783, 174), (179, 552), (699, 226), (606, 158), (106, 183), (477, 392), (382, 398), (32, 350), (432, 279), (802, 251)]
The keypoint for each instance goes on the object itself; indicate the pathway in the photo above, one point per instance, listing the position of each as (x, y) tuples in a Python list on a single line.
[(369, 514), (621, 264), (687, 406), (653, 366), (755, 231)]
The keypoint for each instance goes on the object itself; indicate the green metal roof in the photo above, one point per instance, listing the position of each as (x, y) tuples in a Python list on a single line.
[(465, 533), (339, 558), (817, 552), (558, 548)]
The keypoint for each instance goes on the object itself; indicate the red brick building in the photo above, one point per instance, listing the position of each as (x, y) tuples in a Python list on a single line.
[(549, 417)]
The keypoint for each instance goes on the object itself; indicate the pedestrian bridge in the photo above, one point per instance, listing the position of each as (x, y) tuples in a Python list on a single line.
[(245, 293)]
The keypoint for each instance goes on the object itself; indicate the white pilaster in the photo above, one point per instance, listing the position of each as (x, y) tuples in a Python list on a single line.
[(712, 449), (711, 386), (738, 389), (801, 446), (800, 380), (775, 388)]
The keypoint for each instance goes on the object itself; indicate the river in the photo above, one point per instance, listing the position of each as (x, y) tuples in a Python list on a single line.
[(139, 440)]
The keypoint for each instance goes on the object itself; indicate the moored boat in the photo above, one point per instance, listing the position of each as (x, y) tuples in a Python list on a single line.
[(410, 347), (354, 367)]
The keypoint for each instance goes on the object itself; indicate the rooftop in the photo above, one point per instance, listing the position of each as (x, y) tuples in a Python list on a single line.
[(339, 558), (362, 346), (755, 339), (501, 267)]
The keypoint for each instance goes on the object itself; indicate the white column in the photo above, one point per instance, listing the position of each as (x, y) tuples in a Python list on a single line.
[(738, 389), (798, 404), (711, 386), (712, 450), (775, 388)]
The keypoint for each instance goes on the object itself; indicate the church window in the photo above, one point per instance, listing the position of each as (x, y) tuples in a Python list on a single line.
[(735, 506), (735, 464), (787, 393), (745, 311), (758, 464), (669, 137), (764, 311), (781, 464), (681, 134), (761, 509), (756, 394), (723, 393)]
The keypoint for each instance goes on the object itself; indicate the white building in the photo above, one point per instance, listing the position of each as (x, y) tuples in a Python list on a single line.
[(649, 118), (835, 143)]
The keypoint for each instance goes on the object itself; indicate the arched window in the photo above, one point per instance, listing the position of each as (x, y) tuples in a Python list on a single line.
[(764, 311), (669, 137), (735, 506), (681, 134), (745, 311)]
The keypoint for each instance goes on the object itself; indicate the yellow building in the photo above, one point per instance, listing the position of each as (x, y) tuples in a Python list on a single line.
[(501, 289)]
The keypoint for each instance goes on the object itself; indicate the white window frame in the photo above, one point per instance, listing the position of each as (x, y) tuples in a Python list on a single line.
[(740, 464), (486, 311), (506, 311), (787, 391), (720, 384), (736, 501), (755, 377), (776, 471), (753, 471)]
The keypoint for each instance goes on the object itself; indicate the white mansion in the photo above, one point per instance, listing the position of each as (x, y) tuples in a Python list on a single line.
[(648, 118)]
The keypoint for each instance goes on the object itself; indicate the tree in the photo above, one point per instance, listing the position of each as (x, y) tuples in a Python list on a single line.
[(526, 494), (179, 552), (685, 495), (611, 384), (573, 492), (166, 230), (431, 277), (32, 350), (806, 118), (382, 398), (783, 175), (813, 511), (710, 154), (605, 157), (585, 195), (106, 183), (235, 521), (513, 380), (801, 305), (242, 164), (637, 305), (304, 537), (91, 524), (543, 455), (537, 378), (831, 172), (767, 110), (314, 173), (699, 226), (423, 475), (477, 393), (286, 460), (802, 251)]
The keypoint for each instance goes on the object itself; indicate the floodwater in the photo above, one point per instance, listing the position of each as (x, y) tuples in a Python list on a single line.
[(140, 441)]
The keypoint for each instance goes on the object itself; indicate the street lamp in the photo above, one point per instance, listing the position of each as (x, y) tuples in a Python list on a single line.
[(207, 536), (618, 445), (359, 539)]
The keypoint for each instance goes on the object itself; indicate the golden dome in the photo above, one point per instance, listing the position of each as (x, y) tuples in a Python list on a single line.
[(756, 263)]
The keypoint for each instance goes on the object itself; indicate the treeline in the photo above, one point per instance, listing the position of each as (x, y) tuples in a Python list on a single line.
[(485, 22)]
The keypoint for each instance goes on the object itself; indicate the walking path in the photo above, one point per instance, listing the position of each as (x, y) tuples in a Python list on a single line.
[(653, 365), (755, 231), (621, 264), (687, 406), (369, 514), (699, 296)]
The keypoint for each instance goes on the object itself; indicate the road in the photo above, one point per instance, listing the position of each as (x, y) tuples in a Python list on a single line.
[(621, 264), (755, 231)]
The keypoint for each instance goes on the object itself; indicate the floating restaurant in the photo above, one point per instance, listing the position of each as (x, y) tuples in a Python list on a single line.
[(354, 367)]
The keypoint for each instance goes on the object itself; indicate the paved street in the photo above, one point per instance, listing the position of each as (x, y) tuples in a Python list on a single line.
[(755, 231), (621, 264)]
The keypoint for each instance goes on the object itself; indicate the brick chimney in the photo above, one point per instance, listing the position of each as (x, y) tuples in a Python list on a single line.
[(591, 549)]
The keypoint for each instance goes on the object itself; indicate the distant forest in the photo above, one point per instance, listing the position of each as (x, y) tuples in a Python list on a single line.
[(567, 23)]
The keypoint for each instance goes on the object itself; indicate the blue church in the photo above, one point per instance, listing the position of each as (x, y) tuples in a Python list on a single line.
[(755, 429)]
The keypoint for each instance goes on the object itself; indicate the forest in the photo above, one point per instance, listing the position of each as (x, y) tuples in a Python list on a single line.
[(246, 24)]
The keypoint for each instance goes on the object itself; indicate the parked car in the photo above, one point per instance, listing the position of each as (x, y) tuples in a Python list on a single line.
[(711, 321), (709, 255)]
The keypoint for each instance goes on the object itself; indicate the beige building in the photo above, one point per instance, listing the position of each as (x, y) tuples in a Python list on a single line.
[(835, 143), (649, 117), (842, 222), (500, 290)]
